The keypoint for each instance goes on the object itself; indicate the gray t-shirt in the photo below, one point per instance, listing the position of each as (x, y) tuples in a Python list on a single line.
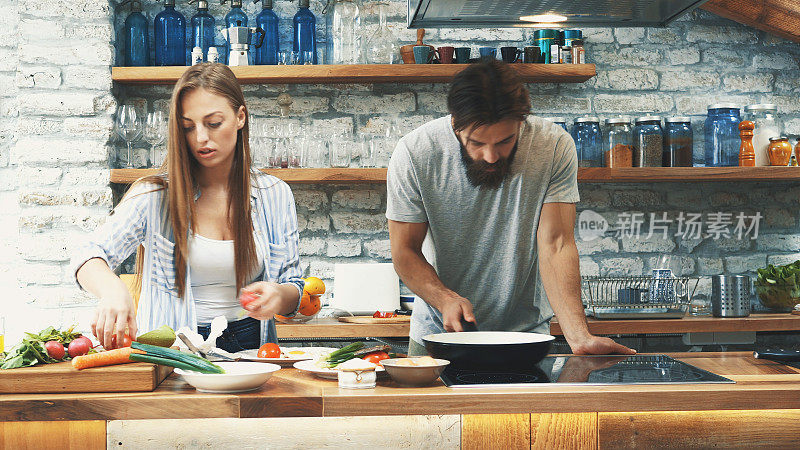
[(482, 242)]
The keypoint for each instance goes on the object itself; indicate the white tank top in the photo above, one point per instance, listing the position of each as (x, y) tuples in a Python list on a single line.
[(214, 278)]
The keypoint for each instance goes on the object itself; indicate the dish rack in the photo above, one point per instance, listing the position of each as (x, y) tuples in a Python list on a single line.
[(637, 297)]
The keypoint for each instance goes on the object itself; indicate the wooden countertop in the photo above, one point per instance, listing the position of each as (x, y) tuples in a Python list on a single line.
[(759, 385), (331, 328)]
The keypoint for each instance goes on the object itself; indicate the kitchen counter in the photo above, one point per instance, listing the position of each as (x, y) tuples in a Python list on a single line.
[(760, 409), (759, 385), (331, 328)]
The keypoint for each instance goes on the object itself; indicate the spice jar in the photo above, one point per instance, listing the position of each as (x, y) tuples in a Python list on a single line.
[(619, 143), (560, 121), (780, 151), (588, 141), (678, 142), (722, 135), (578, 52), (649, 142), (766, 126)]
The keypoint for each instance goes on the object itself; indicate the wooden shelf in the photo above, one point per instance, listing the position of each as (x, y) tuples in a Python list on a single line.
[(358, 73), (585, 174)]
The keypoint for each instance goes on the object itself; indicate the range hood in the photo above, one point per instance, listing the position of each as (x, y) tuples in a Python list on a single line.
[(579, 13)]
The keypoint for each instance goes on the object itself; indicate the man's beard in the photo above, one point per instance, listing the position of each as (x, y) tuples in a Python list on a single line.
[(478, 172)]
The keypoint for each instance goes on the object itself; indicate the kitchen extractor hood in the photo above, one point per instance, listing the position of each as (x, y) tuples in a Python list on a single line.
[(545, 13)]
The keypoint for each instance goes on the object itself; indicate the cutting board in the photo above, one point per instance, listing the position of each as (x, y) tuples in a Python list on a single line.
[(373, 320), (62, 377)]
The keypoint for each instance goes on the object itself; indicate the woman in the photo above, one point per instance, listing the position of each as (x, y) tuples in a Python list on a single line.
[(205, 227)]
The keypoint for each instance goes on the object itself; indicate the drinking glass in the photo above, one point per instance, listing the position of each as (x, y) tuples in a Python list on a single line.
[(2, 333), (308, 57), (339, 150), (155, 133), (129, 127), (314, 152), (367, 150), (285, 58)]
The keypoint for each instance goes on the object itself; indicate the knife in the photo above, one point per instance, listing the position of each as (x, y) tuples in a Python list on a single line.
[(780, 355), (193, 348)]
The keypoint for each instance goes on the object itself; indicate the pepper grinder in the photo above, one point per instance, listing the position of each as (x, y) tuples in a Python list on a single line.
[(747, 154)]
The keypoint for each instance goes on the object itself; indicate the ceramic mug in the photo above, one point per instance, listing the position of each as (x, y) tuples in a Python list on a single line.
[(462, 55), (510, 54), (446, 55), (532, 55), (488, 52), (423, 54)]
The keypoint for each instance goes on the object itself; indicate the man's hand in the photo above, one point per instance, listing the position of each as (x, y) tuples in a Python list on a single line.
[(453, 311), (596, 345), (268, 303)]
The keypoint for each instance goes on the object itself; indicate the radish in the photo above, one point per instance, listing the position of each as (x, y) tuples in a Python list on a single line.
[(79, 346), (55, 349)]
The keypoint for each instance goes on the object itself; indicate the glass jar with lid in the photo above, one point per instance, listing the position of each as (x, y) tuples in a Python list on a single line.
[(780, 151), (678, 142), (722, 135), (767, 126), (649, 142), (618, 143), (560, 121), (588, 141)]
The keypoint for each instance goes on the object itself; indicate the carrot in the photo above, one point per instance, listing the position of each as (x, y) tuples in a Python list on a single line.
[(106, 358)]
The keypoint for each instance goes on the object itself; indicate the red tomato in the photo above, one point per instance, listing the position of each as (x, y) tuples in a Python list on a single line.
[(126, 341), (383, 315), (375, 357), (247, 297), (269, 350), (55, 349), (79, 346)]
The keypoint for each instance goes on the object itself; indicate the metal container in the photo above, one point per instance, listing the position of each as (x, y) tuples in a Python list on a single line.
[(730, 295)]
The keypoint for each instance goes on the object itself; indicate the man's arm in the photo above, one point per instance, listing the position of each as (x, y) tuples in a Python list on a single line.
[(559, 267), (406, 241)]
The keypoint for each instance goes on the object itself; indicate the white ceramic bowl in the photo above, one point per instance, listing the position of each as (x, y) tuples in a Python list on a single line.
[(239, 376), (414, 375)]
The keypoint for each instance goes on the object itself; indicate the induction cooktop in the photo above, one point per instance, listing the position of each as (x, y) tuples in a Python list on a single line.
[(587, 370)]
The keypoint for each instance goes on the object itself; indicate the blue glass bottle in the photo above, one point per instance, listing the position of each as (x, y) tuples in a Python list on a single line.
[(169, 30), (305, 34), (235, 18), (136, 36), (588, 141), (203, 25), (722, 138), (267, 20)]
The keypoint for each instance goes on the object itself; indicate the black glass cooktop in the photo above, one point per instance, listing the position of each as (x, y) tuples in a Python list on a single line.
[(597, 370)]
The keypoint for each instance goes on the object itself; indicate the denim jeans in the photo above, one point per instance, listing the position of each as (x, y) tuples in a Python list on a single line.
[(240, 335)]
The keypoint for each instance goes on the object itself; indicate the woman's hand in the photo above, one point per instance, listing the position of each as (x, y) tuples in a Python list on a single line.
[(114, 313), (272, 298)]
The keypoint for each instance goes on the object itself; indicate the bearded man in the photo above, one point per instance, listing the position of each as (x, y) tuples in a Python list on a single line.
[(489, 192)]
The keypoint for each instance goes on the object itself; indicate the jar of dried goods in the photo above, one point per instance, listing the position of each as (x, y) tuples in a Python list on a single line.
[(678, 142), (588, 141), (618, 143), (649, 142), (780, 151)]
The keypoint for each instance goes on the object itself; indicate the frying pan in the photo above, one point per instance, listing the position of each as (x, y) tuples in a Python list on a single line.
[(496, 350)]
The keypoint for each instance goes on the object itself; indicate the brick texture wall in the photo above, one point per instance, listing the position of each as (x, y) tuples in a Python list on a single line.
[(57, 143)]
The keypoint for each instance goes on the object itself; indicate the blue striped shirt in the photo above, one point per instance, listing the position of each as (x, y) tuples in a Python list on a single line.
[(142, 218)]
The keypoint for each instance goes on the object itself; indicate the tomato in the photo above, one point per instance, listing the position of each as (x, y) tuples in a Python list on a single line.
[(79, 346), (126, 341), (247, 297), (55, 349), (375, 357), (269, 350), (384, 315)]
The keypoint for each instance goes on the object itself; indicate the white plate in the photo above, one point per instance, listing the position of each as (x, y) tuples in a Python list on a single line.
[(289, 359), (331, 374), (239, 376)]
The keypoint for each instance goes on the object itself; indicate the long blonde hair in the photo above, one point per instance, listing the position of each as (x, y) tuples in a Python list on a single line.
[(178, 175)]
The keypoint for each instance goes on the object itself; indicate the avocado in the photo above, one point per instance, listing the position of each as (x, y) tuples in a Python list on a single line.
[(162, 337)]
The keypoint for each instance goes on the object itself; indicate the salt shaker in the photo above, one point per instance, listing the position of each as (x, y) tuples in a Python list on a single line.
[(197, 55), (213, 55)]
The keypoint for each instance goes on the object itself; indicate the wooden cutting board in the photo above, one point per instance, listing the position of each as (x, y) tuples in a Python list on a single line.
[(373, 320), (62, 377)]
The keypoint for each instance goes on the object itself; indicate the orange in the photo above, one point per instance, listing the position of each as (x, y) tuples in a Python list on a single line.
[(314, 286), (309, 304)]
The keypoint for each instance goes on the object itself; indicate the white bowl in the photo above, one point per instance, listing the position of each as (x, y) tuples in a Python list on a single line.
[(414, 375), (239, 376)]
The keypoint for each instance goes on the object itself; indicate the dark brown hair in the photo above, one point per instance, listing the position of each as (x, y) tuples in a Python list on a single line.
[(485, 93)]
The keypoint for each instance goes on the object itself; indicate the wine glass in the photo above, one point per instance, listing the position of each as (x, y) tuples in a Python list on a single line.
[(129, 127), (155, 133)]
